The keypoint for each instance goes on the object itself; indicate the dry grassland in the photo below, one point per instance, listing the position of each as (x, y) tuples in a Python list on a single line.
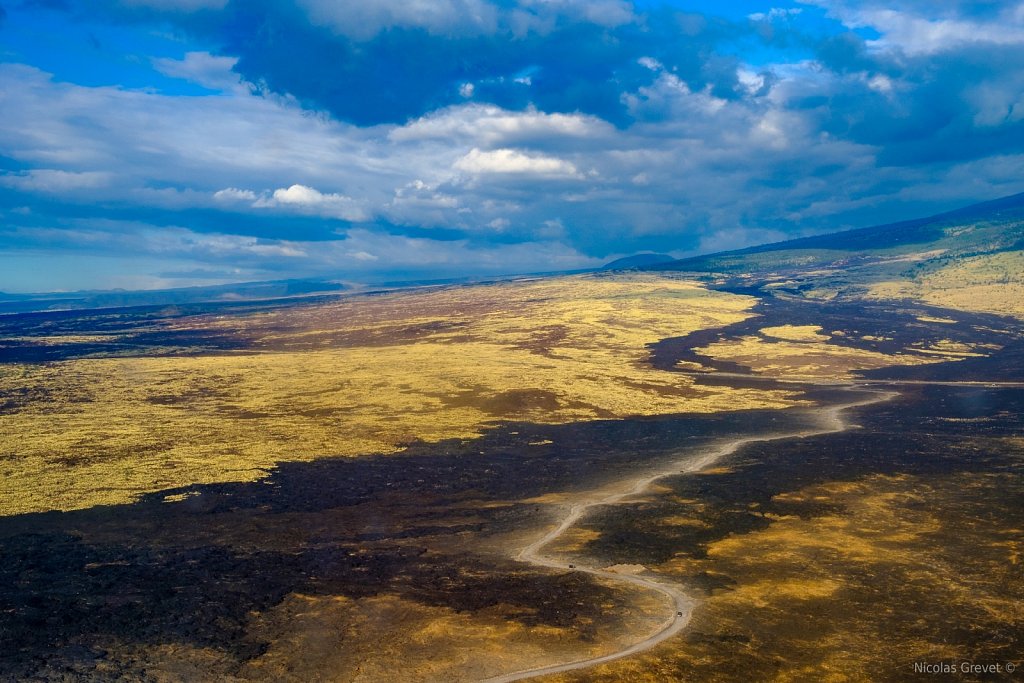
[(803, 352), (857, 595), (362, 375), (992, 283)]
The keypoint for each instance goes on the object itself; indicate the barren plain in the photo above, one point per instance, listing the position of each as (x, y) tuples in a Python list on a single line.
[(342, 487)]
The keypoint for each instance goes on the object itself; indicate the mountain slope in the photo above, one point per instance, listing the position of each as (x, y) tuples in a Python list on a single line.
[(971, 259), (637, 261)]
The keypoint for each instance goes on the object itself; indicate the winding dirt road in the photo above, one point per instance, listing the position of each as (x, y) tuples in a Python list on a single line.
[(830, 421)]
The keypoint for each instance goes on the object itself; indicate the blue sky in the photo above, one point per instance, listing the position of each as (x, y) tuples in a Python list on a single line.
[(159, 143)]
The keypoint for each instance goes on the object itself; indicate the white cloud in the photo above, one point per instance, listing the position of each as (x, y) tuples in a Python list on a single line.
[(752, 82), (775, 13), (298, 198), (233, 194), (937, 31), (650, 63), (998, 103), (205, 69), (189, 141), (772, 130), (693, 166), (512, 161), (419, 196), (306, 196), (310, 199), (880, 83), (476, 124), (669, 97), (56, 181), (918, 35), (116, 236)]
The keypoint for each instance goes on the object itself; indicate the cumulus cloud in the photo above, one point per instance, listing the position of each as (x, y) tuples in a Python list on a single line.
[(305, 196), (515, 162), (310, 199), (671, 181), (297, 197), (496, 126)]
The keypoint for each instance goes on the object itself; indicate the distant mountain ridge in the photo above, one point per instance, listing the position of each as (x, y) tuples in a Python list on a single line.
[(637, 261), (970, 258), (910, 232), (23, 303)]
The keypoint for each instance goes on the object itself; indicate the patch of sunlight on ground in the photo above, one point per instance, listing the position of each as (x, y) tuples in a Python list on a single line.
[(990, 283), (804, 333), (352, 377), (799, 359)]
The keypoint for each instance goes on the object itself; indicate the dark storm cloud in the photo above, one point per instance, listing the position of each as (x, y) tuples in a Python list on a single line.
[(564, 63), (957, 105)]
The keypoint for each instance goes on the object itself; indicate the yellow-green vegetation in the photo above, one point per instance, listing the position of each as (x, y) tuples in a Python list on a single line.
[(992, 283), (386, 637), (356, 376), (855, 594), (952, 349), (803, 352), (797, 567), (800, 333), (61, 339)]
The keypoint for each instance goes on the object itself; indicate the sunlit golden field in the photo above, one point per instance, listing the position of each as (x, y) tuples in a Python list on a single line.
[(992, 283), (803, 352), (359, 376), (369, 375)]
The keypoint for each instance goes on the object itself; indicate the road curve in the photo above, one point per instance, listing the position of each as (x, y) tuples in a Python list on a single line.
[(830, 421)]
